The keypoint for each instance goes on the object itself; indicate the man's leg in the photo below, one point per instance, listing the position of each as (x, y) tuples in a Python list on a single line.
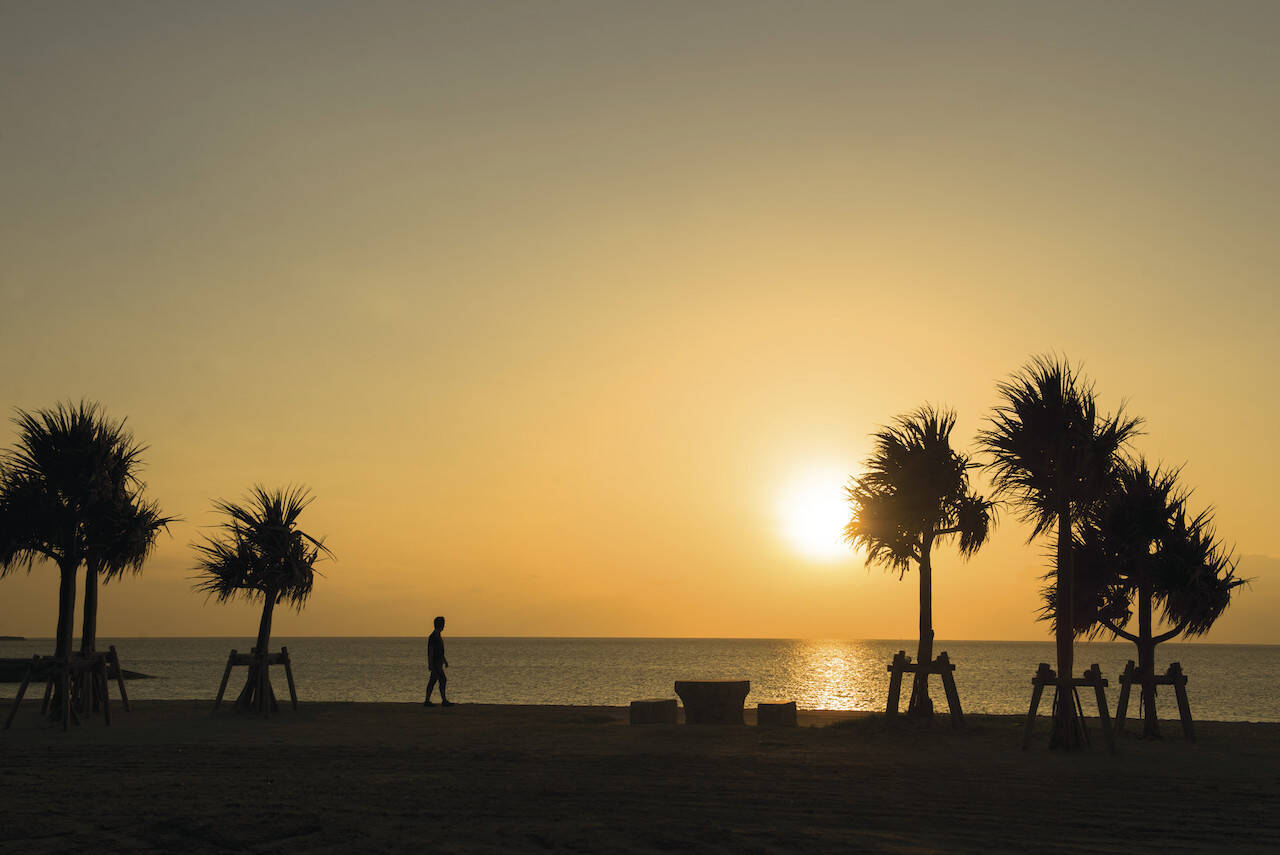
[(444, 699), (431, 684)]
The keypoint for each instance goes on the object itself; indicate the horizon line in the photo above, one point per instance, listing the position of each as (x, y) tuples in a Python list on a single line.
[(908, 641)]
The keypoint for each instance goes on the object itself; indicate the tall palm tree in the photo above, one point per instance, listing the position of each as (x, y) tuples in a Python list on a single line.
[(1052, 454), (914, 492), (65, 468), (1152, 555), (260, 554)]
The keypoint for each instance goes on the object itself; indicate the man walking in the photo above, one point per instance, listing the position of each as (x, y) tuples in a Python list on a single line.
[(436, 663)]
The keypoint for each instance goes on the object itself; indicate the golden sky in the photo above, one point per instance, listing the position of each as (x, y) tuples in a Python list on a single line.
[(552, 304)]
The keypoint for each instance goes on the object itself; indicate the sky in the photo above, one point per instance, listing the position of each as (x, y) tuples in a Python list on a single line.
[(560, 309)]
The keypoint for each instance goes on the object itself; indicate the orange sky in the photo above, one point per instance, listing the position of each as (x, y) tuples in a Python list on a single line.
[(549, 303)]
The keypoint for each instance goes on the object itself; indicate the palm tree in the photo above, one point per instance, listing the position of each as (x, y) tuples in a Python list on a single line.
[(1052, 455), (65, 469), (1153, 556), (260, 554), (914, 492), (122, 535)]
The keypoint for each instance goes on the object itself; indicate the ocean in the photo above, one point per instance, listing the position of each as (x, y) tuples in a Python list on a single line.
[(1226, 682)]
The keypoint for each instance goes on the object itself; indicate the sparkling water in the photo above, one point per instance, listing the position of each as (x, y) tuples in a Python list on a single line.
[(1225, 681)]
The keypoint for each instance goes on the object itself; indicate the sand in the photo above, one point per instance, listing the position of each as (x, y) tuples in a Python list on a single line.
[(331, 777)]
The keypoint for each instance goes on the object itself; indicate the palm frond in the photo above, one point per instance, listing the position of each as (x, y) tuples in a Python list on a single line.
[(1139, 537), (1046, 444), (259, 551), (64, 483), (1195, 574), (127, 534), (914, 489)]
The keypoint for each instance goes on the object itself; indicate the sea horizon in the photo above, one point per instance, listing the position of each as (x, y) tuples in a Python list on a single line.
[(868, 639), (1226, 681)]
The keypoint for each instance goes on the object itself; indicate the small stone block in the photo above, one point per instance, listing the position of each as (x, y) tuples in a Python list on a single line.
[(779, 714), (656, 711)]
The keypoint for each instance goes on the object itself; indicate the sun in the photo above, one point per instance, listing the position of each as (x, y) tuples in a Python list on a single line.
[(813, 512)]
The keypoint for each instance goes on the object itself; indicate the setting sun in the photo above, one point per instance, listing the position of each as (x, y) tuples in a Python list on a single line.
[(813, 513)]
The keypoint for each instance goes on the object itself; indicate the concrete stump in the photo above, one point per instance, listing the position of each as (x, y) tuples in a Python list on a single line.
[(656, 711), (776, 714), (713, 701)]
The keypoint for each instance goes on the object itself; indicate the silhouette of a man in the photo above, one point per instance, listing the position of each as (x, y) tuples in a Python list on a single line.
[(436, 663)]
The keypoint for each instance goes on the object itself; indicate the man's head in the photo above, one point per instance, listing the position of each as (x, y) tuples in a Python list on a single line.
[(439, 623)]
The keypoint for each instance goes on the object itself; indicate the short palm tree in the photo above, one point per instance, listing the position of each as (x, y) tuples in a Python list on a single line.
[(260, 554), (914, 492), (1052, 455), (1153, 555), (121, 537)]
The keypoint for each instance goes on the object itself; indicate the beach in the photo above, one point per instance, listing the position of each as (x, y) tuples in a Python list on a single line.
[(338, 777)]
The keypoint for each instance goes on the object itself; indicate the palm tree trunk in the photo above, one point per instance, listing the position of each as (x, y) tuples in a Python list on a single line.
[(83, 693), (66, 622), (1146, 657), (920, 703), (89, 629), (66, 607), (249, 696), (1066, 726)]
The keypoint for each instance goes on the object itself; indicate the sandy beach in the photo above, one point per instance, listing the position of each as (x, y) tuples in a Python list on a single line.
[(331, 777)]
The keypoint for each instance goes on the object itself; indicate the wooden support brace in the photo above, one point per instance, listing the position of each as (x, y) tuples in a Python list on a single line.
[(115, 662), (226, 675), (1099, 687), (1126, 686), (1184, 706), (896, 670), (1075, 699), (947, 671), (264, 684), (288, 673), (22, 690), (100, 673), (1044, 677), (64, 684)]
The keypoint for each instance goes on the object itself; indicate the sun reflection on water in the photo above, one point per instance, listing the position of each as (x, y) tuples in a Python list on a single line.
[(835, 675)]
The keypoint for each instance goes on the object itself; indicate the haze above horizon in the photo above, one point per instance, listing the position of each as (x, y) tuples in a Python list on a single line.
[(553, 306)]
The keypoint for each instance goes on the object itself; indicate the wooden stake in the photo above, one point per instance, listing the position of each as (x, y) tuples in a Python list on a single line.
[(900, 660), (1099, 687), (100, 676), (22, 690), (1122, 705), (226, 675), (1044, 676), (1184, 706), (944, 667), (288, 672), (115, 660), (64, 682)]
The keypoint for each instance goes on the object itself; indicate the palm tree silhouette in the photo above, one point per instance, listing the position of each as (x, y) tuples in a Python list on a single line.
[(122, 534), (1147, 553), (71, 463), (1053, 456), (915, 491), (260, 554)]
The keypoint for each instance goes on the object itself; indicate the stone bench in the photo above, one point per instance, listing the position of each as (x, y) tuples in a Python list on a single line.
[(776, 714), (655, 711), (713, 701)]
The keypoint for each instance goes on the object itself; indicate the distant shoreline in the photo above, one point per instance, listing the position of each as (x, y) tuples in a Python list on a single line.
[(909, 643)]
